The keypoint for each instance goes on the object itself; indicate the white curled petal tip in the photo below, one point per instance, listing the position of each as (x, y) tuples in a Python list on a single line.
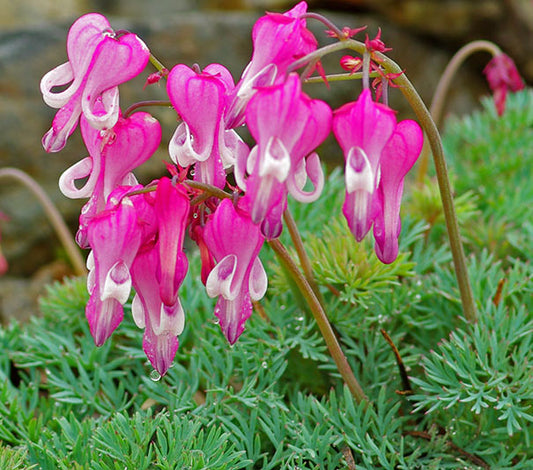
[(78, 171), (117, 284), (110, 102), (258, 280), (137, 312), (220, 279), (181, 149), (171, 319), (61, 75), (275, 160), (309, 168), (359, 175)]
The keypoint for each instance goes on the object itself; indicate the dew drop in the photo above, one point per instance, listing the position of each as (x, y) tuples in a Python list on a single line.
[(155, 376), (300, 318), (264, 365)]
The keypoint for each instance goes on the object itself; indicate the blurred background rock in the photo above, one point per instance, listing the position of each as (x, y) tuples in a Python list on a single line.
[(424, 34)]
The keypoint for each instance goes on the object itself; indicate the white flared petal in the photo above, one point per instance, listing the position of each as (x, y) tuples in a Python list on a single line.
[(258, 280), (180, 147), (61, 75), (137, 311), (78, 171), (309, 168), (358, 175), (171, 320), (220, 279), (110, 101), (117, 284), (275, 160)]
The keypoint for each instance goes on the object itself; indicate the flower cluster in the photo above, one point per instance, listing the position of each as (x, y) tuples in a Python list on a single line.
[(136, 233)]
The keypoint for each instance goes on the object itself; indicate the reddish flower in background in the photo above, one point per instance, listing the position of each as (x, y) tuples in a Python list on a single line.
[(278, 40), (3, 261), (503, 76), (98, 62), (238, 277)]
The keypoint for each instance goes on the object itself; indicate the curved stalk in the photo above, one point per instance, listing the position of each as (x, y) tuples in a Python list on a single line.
[(55, 218), (437, 102), (143, 104), (305, 262), (322, 322)]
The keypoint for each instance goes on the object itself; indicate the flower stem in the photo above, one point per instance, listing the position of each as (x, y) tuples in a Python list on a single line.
[(143, 104), (305, 262), (53, 215), (438, 100), (322, 322), (156, 63)]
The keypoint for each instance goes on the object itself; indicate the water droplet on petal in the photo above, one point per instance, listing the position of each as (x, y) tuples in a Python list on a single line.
[(155, 376)]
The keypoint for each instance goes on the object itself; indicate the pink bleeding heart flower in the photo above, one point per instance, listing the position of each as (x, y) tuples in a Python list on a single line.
[(113, 155), (379, 153), (278, 40), (172, 212), (98, 62), (238, 277), (162, 323), (277, 164), (398, 157), (362, 129), (503, 76), (114, 238), (201, 139)]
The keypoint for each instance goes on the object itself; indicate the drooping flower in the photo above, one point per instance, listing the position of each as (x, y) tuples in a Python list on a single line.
[(278, 40), (112, 157), (162, 323), (397, 158), (172, 212), (114, 238), (362, 129), (201, 139), (98, 62), (379, 153), (503, 76), (238, 277), (283, 157)]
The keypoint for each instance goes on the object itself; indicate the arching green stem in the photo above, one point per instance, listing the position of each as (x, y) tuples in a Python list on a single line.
[(305, 262), (321, 320), (438, 100), (144, 104), (53, 215)]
